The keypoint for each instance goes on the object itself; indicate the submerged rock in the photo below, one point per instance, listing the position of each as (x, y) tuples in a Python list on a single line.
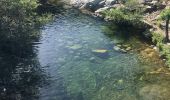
[(99, 51), (116, 48), (75, 47), (102, 53), (92, 59), (154, 92), (122, 50)]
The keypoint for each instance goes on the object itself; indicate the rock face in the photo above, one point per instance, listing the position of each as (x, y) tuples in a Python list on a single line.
[(92, 4)]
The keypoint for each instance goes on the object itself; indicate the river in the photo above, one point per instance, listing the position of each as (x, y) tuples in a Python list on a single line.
[(76, 59)]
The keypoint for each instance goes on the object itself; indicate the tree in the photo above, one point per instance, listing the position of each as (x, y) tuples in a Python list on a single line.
[(165, 15)]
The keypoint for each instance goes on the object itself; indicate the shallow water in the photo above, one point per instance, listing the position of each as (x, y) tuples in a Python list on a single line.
[(77, 73), (64, 65)]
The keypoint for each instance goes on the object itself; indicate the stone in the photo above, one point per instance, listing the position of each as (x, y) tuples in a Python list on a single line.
[(128, 48), (116, 48), (75, 47), (99, 51), (110, 2), (92, 59), (101, 9), (122, 50), (120, 81), (92, 5), (155, 48), (102, 53)]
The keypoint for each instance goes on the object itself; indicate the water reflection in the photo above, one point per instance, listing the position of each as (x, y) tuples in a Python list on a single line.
[(21, 75)]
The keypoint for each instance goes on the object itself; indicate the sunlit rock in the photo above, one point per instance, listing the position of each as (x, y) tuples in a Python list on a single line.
[(128, 48), (99, 51), (116, 48), (102, 53)]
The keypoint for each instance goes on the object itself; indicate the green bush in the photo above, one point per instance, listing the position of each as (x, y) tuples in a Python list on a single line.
[(19, 23), (120, 16), (130, 14), (18, 18), (163, 48)]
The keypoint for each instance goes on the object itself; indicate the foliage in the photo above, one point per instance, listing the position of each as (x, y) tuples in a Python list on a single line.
[(130, 14), (164, 49), (121, 17), (165, 14), (17, 23), (18, 17), (157, 38)]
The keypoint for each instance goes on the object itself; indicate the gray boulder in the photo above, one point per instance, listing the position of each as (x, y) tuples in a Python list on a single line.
[(92, 5)]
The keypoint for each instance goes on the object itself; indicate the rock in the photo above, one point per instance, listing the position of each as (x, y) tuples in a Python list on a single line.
[(92, 5), (86, 4), (102, 53), (154, 92), (116, 48), (92, 59), (120, 81), (75, 47), (110, 2), (122, 50), (99, 51), (155, 48), (128, 48), (101, 10)]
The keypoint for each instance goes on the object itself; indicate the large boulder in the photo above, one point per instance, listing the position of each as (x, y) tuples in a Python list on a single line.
[(92, 5), (86, 4)]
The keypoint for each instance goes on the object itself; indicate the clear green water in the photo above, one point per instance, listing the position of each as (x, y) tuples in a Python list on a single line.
[(77, 73), (62, 65)]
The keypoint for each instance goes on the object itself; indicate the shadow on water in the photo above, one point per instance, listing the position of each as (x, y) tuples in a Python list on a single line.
[(21, 75)]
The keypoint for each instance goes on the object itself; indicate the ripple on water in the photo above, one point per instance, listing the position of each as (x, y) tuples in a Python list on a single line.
[(75, 49)]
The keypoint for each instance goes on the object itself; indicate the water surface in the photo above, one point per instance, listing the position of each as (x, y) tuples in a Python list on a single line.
[(77, 58), (78, 73)]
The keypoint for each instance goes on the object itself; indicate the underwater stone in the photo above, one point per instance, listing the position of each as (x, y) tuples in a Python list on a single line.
[(120, 81), (116, 48), (92, 59), (102, 53), (99, 51), (75, 47), (122, 50)]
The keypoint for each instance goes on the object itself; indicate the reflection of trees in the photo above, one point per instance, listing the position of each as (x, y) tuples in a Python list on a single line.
[(20, 72)]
